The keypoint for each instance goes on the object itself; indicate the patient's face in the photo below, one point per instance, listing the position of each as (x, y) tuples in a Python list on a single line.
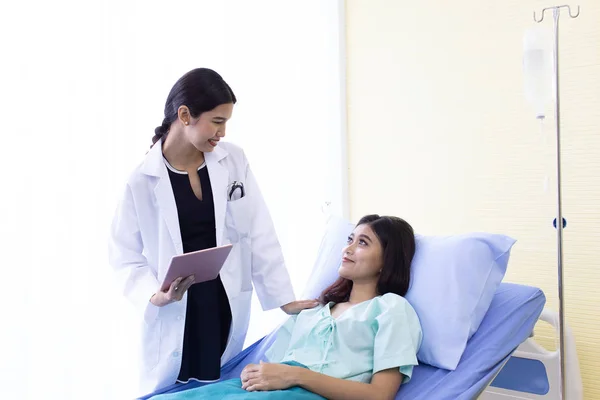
[(362, 259)]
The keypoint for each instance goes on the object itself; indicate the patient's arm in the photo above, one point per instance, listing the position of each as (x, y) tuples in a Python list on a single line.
[(265, 377), (384, 385)]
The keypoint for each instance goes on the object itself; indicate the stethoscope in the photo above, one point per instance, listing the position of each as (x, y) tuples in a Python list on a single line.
[(234, 186)]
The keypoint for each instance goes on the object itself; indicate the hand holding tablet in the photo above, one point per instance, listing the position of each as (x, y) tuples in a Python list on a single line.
[(187, 269)]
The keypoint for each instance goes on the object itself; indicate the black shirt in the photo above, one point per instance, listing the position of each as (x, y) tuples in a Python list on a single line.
[(208, 316)]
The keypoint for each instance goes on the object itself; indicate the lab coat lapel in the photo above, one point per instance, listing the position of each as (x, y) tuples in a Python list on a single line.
[(154, 165), (168, 209), (219, 178)]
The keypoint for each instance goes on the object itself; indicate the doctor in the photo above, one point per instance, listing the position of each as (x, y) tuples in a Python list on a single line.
[(194, 192)]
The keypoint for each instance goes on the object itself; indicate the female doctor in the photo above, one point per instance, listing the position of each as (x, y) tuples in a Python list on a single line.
[(194, 192)]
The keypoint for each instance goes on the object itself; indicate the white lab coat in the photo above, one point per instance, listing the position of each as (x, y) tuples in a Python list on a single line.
[(145, 235)]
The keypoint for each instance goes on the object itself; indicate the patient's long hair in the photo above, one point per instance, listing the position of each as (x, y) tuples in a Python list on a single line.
[(397, 239)]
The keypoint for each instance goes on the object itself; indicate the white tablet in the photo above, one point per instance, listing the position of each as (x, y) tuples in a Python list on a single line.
[(205, 265)]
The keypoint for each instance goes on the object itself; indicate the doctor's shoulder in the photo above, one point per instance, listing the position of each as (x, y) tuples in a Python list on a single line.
[(136, 178), (139, 185)]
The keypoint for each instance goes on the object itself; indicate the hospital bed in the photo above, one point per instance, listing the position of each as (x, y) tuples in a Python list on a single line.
[(508, 322), (533, 372)]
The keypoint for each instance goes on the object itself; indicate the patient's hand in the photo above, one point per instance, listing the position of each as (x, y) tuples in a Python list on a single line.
[(265, 377), (296, 306)]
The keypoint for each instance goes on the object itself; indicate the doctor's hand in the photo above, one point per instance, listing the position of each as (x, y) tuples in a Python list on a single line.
[(296, 306), (266, 377), (174, 293)]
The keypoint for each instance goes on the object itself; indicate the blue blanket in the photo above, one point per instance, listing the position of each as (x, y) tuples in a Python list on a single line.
[(232, 389)]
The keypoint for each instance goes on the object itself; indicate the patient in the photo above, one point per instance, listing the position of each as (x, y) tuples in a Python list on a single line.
[(360, 343)]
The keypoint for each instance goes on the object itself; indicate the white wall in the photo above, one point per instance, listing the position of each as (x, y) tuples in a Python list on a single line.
[(83, 87)]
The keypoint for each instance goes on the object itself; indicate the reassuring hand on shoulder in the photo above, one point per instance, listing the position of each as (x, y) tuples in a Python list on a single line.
[(296, 306)]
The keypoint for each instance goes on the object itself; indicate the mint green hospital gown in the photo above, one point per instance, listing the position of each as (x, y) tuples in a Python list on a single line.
[(369, 337)]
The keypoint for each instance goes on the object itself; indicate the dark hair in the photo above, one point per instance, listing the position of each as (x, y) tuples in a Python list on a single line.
[(397, 240), (201, 90)]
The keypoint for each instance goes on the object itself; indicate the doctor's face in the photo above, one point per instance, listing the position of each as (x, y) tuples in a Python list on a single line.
[(362, 259), (205, 131)]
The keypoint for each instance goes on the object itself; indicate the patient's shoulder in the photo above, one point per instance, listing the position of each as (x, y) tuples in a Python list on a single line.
[(393, 302), (395, 312)]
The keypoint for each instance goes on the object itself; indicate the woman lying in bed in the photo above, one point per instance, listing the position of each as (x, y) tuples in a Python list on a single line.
[(360, 343)]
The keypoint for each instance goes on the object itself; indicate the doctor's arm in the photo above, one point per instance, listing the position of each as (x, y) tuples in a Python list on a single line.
[(133, 275)]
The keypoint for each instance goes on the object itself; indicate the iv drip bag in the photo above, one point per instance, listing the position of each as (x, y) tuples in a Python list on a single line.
[(538, 68)]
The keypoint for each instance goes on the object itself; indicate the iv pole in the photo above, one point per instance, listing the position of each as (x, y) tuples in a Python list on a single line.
[(559, 222)]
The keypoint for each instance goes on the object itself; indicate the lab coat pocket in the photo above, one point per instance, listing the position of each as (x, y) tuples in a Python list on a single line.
[(239, 218), (151, 345)]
